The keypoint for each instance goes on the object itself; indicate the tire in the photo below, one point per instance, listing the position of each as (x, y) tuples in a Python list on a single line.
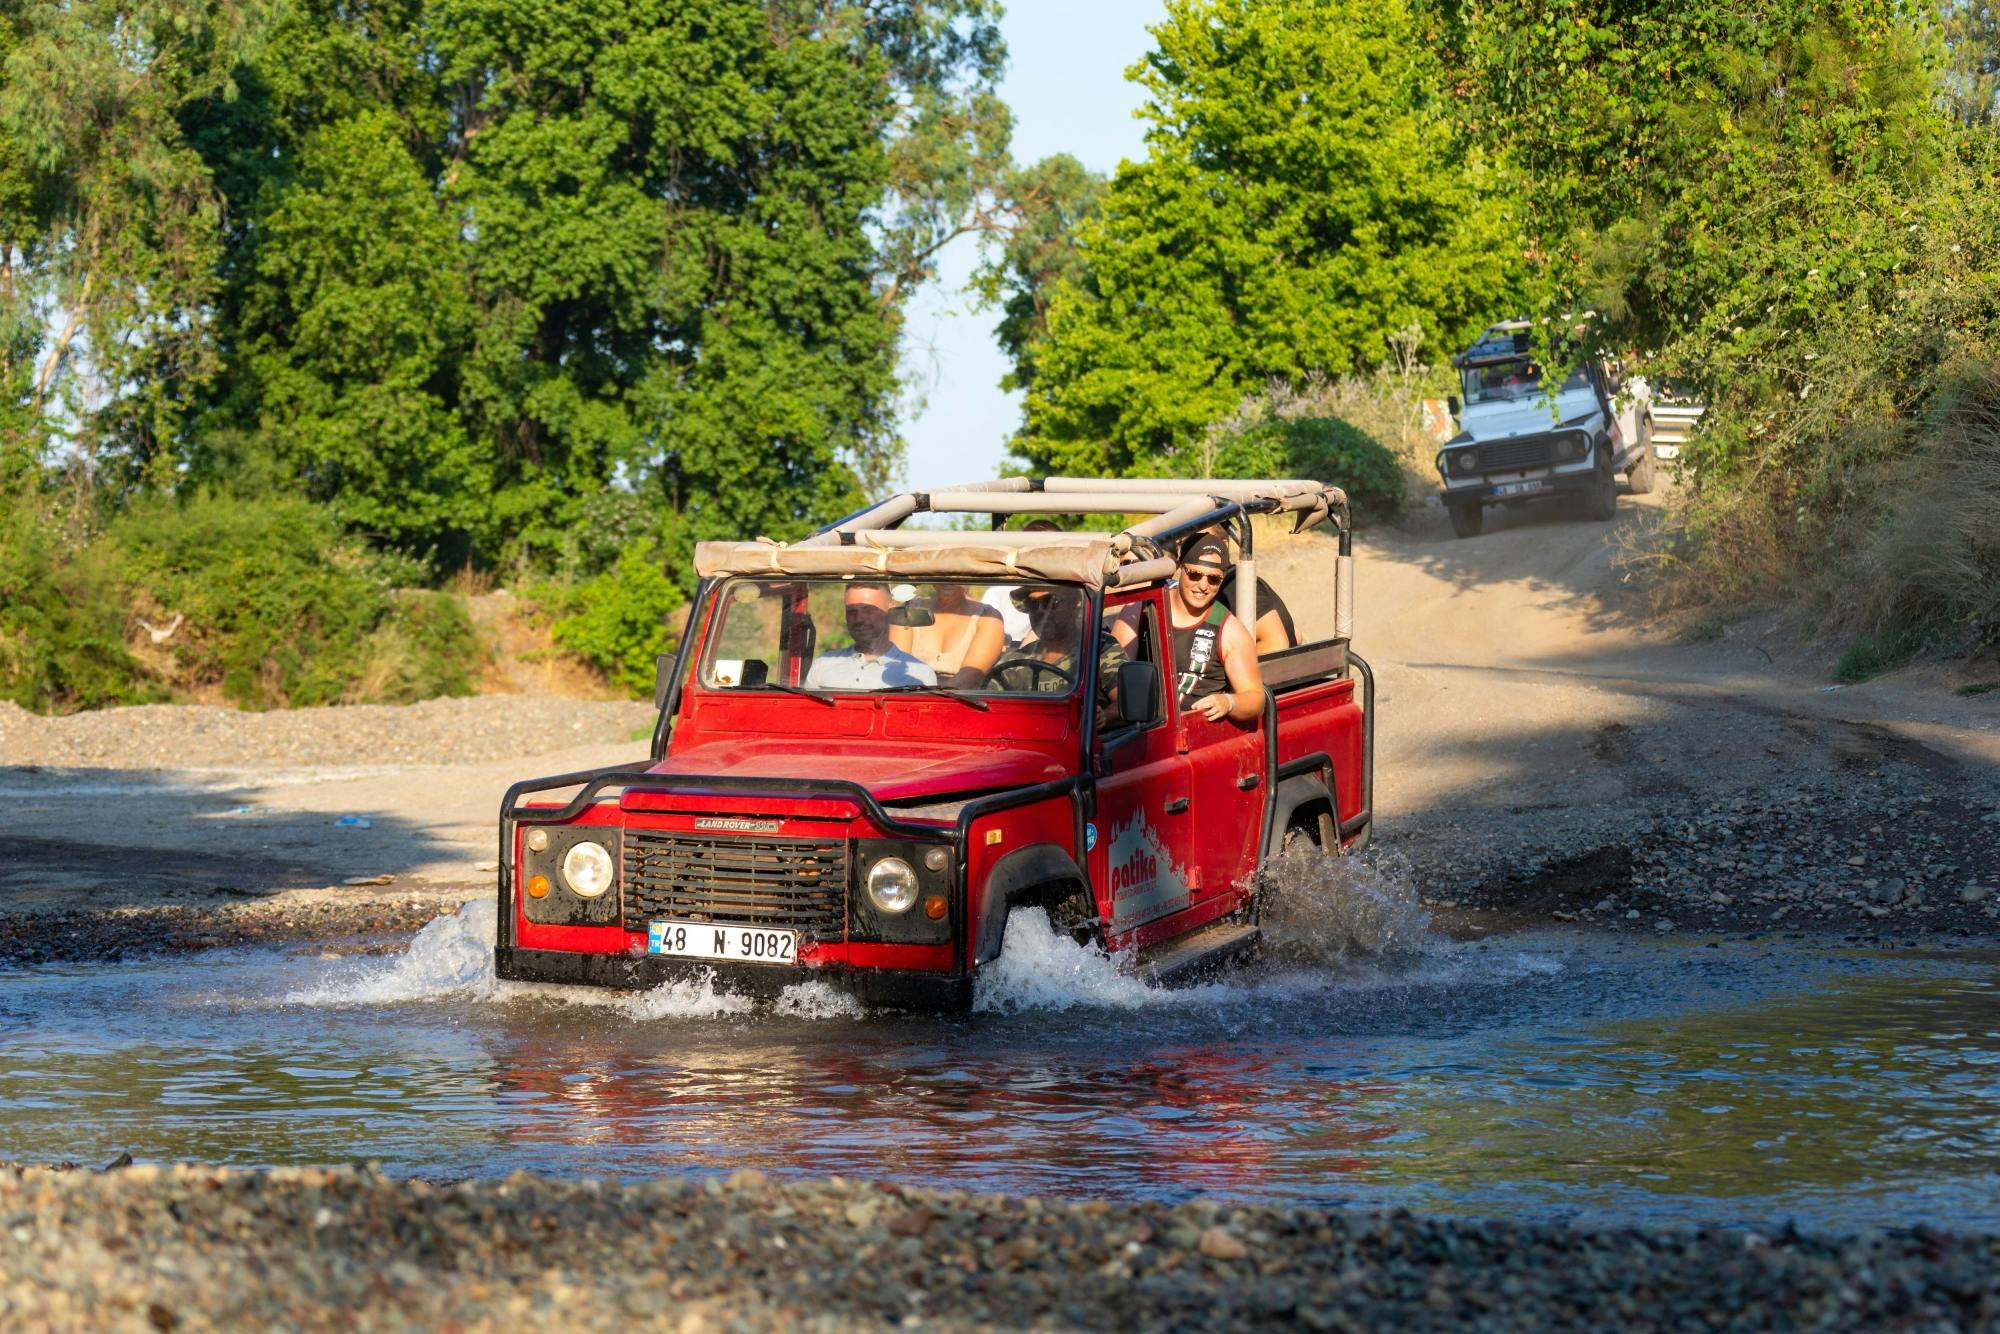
[(1467, 520), (1601, 500), (1641, 475)]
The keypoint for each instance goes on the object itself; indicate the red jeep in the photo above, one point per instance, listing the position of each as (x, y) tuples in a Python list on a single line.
[(812, 812)]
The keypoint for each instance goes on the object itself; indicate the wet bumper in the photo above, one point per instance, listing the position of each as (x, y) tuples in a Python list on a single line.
[(894, 990)]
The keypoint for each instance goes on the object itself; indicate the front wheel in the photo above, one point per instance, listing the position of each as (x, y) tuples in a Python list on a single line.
[(1640, 476), (1467, 520), (1601, 500)]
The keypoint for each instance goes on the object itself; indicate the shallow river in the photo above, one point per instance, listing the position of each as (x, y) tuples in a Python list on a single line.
[(1550, 1075)]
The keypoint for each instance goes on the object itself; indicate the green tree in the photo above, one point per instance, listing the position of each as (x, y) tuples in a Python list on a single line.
[(660, 245), (110, 229), (1971, 33), (1301, 197)]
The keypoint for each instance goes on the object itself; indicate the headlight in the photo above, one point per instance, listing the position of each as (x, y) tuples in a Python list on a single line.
[(1465, 460), (892, 885), (1578, 446), (587, 869)]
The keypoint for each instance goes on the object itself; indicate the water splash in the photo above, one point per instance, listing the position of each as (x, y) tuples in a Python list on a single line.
[(1321, 908), (1041, 968), (451, 956)]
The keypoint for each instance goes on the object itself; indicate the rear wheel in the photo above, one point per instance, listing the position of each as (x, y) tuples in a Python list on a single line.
[(1640, 476), (1467, 520)]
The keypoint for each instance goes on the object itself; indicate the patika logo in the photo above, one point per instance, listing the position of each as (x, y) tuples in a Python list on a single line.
[(736, 824), (1137, 869), (1145, 883)]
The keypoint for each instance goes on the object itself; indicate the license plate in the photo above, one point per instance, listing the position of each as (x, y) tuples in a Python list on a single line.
[(1516, 488), (739, 944), (1666, 451)]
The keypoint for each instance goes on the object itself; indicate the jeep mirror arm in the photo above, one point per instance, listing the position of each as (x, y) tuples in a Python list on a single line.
[(663, 679)]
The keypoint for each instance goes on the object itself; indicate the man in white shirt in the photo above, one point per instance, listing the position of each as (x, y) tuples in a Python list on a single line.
[(873, 662)]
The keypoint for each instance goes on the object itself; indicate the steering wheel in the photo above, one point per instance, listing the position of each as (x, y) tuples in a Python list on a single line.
[(1034, 666)]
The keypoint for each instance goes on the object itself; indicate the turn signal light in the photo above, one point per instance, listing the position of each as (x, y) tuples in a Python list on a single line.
[(934, 907), (538, 886)]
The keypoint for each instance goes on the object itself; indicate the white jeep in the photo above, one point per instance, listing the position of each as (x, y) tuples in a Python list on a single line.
[(1521, 438)]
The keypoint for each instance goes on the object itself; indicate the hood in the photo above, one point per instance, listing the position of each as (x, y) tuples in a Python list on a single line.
[(892, 770), (1528, 416)]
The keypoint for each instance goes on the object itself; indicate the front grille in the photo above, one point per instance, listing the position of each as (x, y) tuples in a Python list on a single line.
[(1534, 452), (775, 882)]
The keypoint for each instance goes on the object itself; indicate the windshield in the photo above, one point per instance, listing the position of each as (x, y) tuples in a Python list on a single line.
[(1507, 381), (850, 636)]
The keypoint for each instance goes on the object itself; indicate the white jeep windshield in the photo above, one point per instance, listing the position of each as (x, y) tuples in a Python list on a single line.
[(837, 636), (1508, 381)]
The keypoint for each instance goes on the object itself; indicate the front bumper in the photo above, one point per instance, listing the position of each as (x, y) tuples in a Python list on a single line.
[(1483, 492), (883, 988)]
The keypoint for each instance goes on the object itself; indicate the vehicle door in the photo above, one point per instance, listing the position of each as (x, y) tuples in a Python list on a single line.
[(1226, 765), (1141, 843)]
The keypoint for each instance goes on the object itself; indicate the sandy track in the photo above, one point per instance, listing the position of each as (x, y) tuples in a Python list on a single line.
[(1528, 713)]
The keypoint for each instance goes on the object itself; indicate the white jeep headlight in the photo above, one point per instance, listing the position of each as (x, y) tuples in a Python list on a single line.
[(587, 869), (892, 885)]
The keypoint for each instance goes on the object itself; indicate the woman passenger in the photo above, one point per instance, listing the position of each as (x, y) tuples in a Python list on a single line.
[(962, 642)]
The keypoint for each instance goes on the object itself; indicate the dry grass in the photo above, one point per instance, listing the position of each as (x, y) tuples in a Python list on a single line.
[(1387, 404), (1899, 555), (1935, 554), (524, 659)]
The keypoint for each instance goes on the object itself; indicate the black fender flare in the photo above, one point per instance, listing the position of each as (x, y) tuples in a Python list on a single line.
[(1009, 880), (1298, 791)]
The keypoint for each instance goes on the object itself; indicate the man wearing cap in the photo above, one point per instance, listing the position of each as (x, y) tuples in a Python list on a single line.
[(1215, 659)]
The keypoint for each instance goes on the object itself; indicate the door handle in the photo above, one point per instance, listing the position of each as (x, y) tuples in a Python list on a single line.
[(1248, 781), (1177, 806)]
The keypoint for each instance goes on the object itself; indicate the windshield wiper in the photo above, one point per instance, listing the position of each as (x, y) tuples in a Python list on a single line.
[(946, 691), (783, 688)]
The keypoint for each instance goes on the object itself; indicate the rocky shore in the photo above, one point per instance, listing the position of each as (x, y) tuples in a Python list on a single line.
[(151, 1248)]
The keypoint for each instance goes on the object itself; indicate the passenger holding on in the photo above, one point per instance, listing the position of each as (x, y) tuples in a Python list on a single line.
[(873, 662), (1055, 618), (1215, 660), (1275, 631)]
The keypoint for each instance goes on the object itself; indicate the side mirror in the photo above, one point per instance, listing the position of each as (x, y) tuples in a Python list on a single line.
[(663, 678), (1451, 402), (1138, 692)]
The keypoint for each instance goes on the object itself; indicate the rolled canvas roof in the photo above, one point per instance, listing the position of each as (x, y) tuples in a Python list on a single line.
[(1091, 559), (871, 544)]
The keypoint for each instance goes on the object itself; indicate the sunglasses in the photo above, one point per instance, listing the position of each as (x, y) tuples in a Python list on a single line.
[(1032, 602), (1195, 576)]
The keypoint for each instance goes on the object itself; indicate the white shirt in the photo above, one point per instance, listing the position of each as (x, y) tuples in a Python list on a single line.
[(1013, 621), (851, 669)]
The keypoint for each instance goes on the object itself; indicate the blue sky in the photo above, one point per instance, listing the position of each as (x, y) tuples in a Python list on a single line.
[(1066, 84)]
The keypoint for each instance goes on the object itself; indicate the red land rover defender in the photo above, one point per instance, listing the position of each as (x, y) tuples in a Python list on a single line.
[(818, 805)]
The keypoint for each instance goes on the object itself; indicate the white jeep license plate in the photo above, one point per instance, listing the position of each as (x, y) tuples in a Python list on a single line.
[(739, 944), (1516, 488)]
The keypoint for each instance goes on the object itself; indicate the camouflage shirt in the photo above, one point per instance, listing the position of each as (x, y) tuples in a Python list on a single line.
[(1012, 672)]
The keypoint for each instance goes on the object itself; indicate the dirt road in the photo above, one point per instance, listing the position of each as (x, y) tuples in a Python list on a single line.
[(1541, 743)]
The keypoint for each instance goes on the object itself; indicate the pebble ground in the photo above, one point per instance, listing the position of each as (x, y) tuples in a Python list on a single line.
[(146, 1248)]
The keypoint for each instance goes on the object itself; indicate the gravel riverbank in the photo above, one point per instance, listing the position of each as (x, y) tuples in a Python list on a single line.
[(150, 1248)]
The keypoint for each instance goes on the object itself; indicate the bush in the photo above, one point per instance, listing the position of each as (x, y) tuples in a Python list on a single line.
[(622, 620), (260, 601), (62, 617)]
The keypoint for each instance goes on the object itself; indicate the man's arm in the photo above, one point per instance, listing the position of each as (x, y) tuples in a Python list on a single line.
[(1244, 699)]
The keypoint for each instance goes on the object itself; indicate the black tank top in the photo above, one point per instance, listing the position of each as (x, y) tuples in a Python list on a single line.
[(1198, 657)]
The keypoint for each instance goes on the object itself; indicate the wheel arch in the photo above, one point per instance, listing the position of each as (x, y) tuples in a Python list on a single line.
[(1023, 878)]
